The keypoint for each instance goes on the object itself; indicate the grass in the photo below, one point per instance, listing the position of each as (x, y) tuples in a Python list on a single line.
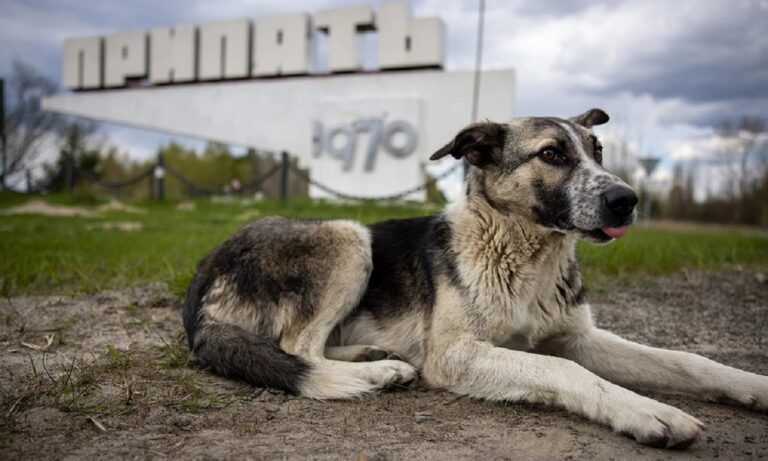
[(65, 255), (651, 251)]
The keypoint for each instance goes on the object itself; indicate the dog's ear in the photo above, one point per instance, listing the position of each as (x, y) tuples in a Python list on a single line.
[(480, 143), (591, 118)]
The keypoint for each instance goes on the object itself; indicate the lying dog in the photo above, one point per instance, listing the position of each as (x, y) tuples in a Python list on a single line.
[(484, 300)]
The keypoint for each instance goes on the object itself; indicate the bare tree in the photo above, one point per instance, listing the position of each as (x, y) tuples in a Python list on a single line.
[(619, 158), (680, 202), (27, 124), (745, 150), (744, 153), (78, 155)]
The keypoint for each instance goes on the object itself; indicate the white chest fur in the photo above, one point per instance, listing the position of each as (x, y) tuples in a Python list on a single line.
[(511, 271)]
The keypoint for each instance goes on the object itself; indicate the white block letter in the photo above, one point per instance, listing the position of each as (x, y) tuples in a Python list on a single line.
[(224, 50), (342, 25), (406, 42), (82, 63), (125, 56), (172, 54), (281, 45)]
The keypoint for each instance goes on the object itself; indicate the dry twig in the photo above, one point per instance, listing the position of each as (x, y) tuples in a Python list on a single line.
[(35, 347)]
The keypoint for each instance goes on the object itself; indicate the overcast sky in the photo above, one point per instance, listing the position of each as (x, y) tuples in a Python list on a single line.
[(667, 71)]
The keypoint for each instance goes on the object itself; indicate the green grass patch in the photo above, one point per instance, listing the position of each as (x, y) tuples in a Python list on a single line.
[(65, 255), (651, 251)]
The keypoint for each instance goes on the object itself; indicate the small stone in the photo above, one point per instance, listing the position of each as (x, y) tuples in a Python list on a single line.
[(422, 416)]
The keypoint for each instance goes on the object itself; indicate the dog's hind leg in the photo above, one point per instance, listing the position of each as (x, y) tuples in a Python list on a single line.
[(261, 307), (345, 283)]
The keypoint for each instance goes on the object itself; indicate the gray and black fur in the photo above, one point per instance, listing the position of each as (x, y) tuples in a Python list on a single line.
[(484, 299)]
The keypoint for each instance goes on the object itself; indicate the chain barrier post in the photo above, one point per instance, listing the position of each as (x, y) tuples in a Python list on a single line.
[(160, 177), (284, 176), (69, 174), (151, 182)]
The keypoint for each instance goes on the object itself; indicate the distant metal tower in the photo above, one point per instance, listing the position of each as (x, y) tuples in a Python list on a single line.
[(649, 166)]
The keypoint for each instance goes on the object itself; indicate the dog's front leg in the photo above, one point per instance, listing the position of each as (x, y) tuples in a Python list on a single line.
[(478, 369), (639, 366)]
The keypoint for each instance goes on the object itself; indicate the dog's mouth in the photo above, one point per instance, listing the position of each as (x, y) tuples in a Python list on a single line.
[(615, 232), (605, 234)]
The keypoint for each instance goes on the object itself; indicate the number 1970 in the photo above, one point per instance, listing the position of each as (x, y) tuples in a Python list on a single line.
[(398, 138)]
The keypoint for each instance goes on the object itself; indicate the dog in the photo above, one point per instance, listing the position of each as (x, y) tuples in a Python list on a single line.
[(484, 300)]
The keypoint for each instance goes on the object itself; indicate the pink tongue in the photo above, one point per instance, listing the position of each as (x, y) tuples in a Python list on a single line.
[(615, 232)]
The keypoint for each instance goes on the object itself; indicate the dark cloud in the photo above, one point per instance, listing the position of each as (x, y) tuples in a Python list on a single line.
[(718, 57)]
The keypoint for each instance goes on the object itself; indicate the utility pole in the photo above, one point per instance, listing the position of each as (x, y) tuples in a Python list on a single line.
[(3, 153), (478, 71)]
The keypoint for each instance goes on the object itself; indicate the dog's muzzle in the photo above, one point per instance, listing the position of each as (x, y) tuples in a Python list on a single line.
[(618, 204)]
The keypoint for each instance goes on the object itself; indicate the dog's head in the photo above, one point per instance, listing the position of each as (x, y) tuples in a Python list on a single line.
[(549, 170)]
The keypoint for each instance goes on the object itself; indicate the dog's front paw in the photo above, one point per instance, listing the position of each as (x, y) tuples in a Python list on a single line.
[(658, 425), (750, 391)]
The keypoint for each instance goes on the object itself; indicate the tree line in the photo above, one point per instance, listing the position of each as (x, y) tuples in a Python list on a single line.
[(740, 159)]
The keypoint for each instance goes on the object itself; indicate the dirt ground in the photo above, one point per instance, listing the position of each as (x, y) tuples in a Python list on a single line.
[(106, 376)]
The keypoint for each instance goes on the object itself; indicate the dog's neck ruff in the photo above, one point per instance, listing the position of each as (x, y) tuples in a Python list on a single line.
[(504, 246)]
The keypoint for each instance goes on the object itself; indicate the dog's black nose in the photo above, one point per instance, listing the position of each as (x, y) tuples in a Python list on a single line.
[(620, 200)]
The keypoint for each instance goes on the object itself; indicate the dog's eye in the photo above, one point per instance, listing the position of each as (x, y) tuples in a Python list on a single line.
[(599, 153), (553, 156)]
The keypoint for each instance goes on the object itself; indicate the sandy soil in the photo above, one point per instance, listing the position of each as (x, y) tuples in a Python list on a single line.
[(105, 376), (41, 207)]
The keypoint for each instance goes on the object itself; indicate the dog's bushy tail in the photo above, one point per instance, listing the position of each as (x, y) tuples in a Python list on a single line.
[(234, 352), (231, 351)]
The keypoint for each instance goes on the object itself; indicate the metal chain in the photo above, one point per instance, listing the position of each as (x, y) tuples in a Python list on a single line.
[(188, 182), (254, 184), (258, 182), (359, 198)]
